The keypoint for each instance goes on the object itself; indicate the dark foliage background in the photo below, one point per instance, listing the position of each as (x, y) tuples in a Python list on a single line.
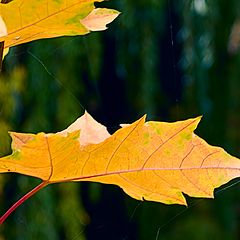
[(170, 59)]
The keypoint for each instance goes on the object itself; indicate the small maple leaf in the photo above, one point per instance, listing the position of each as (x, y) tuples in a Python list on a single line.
[(28, 20)]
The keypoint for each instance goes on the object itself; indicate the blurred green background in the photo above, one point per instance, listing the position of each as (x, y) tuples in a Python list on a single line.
[(170, 59)]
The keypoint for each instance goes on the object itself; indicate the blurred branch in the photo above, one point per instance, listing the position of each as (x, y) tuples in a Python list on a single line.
[(234, 38), (1, 54), (6, 1)]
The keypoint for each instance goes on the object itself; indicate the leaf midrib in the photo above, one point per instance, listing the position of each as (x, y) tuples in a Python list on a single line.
[(42, 19)]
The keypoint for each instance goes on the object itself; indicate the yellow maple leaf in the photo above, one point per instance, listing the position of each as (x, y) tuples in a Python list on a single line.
[(28, 20), (155, 161)]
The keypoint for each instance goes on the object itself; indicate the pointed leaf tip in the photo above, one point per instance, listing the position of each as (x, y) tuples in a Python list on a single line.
[(142, 119), (92, 132), (99, 18)]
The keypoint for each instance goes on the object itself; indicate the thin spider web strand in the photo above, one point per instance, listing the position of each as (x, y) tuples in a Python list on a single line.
[(56, 79), (197, 203)]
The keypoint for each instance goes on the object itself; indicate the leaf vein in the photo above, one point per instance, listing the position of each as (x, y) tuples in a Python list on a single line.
[(171, 137)]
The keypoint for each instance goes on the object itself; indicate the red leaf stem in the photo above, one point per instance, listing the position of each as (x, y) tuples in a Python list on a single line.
[(22, 200)]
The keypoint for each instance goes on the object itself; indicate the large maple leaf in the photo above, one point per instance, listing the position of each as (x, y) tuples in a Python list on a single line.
[(28, 20), (155, 161)]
